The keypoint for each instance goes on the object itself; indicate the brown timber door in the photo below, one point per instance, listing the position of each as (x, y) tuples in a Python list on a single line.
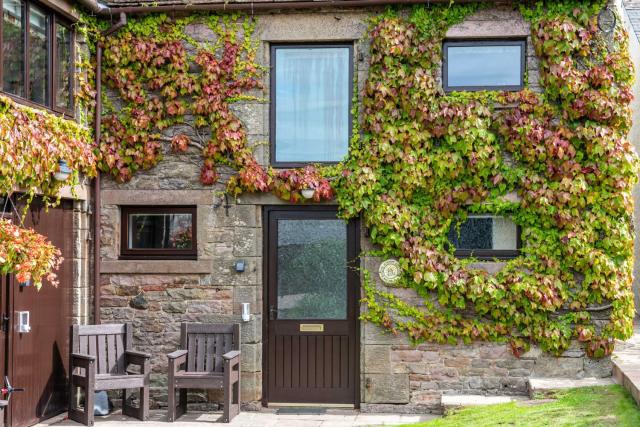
[(37, 360), (311, 307)]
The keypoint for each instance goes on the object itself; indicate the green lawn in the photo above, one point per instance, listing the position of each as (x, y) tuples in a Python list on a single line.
[(581, 407)]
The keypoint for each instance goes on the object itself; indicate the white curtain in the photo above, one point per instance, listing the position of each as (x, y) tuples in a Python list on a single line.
[(312, 104)]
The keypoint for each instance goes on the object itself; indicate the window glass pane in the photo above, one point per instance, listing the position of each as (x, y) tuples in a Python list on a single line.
[(38, 55), (484, 65), (160, 231), (64, 64), (312, 269), (312, 104), (12, 47), (484, 232)]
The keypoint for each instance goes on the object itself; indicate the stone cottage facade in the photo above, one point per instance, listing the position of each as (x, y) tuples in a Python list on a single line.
[(232, 238)]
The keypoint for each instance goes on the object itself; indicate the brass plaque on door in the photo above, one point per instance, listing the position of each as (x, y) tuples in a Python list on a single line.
[(311, 327)]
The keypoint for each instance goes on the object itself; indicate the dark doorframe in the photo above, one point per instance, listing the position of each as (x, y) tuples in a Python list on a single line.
[(353, 231)]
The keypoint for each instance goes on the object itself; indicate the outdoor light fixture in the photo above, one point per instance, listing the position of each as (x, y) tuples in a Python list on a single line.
[(240, 266), (606, 20), (308, 193), (246, 311), (63, 171)]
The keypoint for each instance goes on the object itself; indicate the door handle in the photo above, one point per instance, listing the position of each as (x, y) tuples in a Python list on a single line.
[(273, 313)]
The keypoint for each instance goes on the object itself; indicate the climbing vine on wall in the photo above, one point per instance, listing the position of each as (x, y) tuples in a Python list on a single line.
[(427, 159), (423, 161), (162, 76)]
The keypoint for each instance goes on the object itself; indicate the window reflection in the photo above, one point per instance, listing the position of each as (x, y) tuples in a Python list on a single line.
[(12, 47), (479, 65), (485, 232), (160, 231), (312, 95), (38, 55), (64, 68)]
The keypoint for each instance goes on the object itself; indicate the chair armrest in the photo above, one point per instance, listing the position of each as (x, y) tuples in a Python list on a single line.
[(81, 360), (137, 358), (140, 354), (177, 354), (231, 355)]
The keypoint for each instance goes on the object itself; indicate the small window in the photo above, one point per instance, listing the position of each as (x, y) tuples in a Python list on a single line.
[(483, 65), (158, 232), (311, 87), (485, 237)]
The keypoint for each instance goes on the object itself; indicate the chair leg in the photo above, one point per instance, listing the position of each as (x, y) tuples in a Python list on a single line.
[(144, 403), (228, 397), (182, 405), (171, 403), (89, 397)]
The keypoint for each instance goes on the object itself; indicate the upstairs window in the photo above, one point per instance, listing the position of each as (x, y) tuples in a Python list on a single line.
[(485, 237), (37, 55), (311, 89), (483, 65)]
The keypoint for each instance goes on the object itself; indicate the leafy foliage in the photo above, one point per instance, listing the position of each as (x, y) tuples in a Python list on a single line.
[(27, 254), (427, 159), (32, 142)]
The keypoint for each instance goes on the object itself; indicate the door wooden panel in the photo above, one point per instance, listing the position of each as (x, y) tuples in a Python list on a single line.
[(37, 361), (311, 283)]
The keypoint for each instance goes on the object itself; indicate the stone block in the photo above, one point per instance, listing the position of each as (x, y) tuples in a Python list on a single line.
[(564, 367), (386, 388), (373, 334), (250, 386), (247, 242), (377, 359), (598, 368), (251, 357)]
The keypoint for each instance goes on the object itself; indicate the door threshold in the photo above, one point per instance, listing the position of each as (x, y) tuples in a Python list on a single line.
[(311, 405)]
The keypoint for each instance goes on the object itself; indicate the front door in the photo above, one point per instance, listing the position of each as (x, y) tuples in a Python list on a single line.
[(311, 301), (36, 361)]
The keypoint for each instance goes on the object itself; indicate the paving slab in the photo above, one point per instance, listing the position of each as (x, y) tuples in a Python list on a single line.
[(450, 401), (626, 363), (267, 418), (537, 385)]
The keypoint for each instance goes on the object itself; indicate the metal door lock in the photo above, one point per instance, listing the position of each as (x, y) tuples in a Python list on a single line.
[(23, 322)]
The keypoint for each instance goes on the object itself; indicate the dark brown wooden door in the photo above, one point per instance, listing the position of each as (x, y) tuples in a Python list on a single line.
[(311, 307), (37, 361)]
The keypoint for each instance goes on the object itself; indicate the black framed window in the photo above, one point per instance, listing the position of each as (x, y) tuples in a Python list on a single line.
[(485, 237), (311, 91), (152, 232), (36, 61), (483, 65)]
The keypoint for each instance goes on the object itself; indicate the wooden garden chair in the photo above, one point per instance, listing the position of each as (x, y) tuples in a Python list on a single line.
[(100, 358), (209, 358)]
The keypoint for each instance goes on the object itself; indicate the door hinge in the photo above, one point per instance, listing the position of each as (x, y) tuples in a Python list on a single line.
[(5, 322)]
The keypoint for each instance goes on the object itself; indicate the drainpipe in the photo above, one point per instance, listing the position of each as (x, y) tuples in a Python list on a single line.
[(252, 6), (97, 211)]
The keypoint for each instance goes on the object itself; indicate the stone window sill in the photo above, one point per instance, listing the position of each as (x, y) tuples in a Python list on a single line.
[(156, 267)]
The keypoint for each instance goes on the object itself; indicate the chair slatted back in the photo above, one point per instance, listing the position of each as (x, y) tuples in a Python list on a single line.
[(207, 343), (107, 343)]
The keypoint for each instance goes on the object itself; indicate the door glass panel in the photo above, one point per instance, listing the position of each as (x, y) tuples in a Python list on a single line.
[(312, 269), (12, 47)]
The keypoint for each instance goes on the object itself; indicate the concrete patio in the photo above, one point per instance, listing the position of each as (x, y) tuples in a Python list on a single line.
[(266, 418)]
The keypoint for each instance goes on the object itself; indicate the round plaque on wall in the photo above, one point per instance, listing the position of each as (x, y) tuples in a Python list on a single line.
[(390, 271)]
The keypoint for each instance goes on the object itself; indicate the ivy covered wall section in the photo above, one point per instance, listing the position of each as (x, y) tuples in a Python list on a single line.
[(422, 160), (428, 159)]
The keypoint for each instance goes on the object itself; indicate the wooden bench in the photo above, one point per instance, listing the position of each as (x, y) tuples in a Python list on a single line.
[(209, 358), (100, 359)]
